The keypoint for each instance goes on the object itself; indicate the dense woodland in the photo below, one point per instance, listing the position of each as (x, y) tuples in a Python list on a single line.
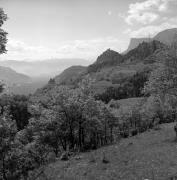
[(59, 118)]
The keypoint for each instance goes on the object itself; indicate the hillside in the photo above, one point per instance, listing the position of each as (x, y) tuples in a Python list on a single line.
[(18, 83), (27, 88), (143, 51), (10, 76), (150, 155), (70, 74)]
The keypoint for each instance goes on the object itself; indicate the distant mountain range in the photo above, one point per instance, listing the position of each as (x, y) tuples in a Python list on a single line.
[(111, 67), (167, 37), (38, 73), (11, 77), (18, 83), (43, 68)]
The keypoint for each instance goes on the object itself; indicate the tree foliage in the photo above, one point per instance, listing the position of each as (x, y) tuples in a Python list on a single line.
[(3, 38), (130, 87), (72, 119), (163, 80), (3, 34), (18, 108)]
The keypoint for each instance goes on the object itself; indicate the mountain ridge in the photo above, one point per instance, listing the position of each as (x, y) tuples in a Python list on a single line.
[(107, 58), (165, 36), (134, 42)]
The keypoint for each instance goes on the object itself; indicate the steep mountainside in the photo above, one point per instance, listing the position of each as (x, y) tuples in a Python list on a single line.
[(134, 42), (70, 74), (167, 37), (144, 50)]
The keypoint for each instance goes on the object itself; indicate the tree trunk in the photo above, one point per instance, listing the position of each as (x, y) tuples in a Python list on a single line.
[(83, 138), (56, 151), (105, 134), (111, 134), (3, 168), (80, 136), (71, 137)]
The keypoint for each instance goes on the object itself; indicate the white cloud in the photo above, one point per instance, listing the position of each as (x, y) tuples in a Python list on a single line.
[(144, 18), (14, 45), (79, 48), (152, 30), (147, 12), (19, 50), (154, 15), (91, 48)]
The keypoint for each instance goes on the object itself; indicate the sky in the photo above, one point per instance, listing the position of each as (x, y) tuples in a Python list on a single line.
[(43, 29)]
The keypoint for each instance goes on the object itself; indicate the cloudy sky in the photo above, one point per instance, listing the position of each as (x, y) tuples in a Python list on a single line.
[(41, 29)]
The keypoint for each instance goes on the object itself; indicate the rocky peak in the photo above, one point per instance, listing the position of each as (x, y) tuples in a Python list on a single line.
[(109, 56), (106, 59)]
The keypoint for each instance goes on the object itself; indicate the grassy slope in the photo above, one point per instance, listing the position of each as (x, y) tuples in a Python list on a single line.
[(151, 155)]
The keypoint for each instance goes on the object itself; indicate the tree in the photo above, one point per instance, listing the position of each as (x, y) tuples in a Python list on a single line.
[(163, 79), (19, 110), (71, 119), (129, 87), (7, 135), (17, 105), (162, 87), (3, 38), (3, 34)]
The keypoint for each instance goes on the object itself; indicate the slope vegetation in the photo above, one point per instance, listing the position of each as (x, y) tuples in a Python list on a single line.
[(70, 75), (150, 155)]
